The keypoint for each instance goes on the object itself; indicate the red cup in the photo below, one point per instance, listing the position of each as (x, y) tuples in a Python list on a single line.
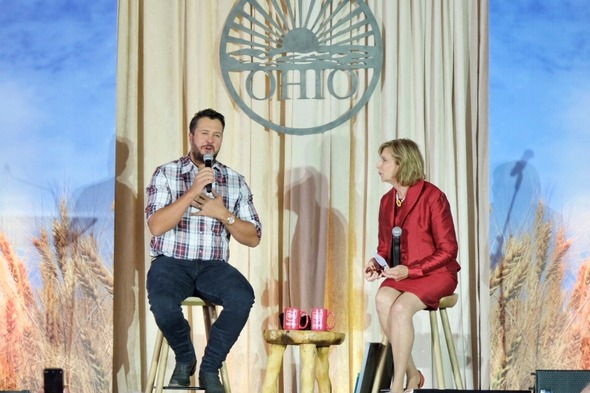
[(295, 319), (322, 319)]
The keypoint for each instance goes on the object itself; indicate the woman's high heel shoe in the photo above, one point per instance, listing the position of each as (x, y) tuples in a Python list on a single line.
[(420, 384)]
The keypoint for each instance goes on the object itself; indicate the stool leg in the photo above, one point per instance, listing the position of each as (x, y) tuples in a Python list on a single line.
[(225, 378), (162, 368), (451, 347), (322, 370), (154, 365), (209, 315), (308, 358), (436, 351), (275, 359)]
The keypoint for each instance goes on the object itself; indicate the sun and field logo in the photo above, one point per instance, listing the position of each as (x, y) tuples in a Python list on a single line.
[(286, 62)]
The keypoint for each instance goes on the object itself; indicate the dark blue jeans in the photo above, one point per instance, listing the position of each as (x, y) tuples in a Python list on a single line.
[(170, 281)]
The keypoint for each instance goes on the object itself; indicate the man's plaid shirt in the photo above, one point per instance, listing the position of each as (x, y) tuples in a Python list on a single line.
[(197, 237)]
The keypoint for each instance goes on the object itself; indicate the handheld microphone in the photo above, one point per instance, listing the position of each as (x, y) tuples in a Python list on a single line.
[(397, 232), (208, 158)]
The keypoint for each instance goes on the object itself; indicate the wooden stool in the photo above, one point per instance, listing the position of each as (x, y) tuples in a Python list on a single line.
[(160, 356), (445, 302), (313, 345)]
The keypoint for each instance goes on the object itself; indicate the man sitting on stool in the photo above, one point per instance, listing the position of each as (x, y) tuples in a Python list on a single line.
[(194, 205)]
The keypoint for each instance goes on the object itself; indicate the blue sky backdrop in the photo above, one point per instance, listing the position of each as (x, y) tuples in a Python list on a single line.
[(540, 113), (57, 112), (57, 107)]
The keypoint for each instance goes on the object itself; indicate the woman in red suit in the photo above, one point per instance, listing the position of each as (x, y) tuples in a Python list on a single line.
[(427, 267)]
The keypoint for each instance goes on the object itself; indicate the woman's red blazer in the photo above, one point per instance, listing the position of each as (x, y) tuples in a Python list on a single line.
[(428, 242)]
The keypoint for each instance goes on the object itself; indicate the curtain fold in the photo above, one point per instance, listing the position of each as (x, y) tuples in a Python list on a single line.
[(317, 195)]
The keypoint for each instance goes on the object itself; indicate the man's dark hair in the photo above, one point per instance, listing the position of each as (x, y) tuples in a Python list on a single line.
[(210, 113)]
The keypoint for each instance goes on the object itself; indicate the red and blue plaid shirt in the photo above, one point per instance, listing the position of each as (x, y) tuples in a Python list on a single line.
[(197, 237)]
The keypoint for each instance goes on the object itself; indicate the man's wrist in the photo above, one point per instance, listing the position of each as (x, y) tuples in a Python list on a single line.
[(230, 220)]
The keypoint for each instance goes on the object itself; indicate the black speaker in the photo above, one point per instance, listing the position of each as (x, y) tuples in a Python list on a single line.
[(474, 391), (561, 381)]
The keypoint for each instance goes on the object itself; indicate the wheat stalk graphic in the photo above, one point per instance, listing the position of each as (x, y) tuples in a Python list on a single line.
[(535, 324), (66, 321)]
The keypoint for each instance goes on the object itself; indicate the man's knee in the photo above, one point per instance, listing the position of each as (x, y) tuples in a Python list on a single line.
[(243, 297), (162, 305)]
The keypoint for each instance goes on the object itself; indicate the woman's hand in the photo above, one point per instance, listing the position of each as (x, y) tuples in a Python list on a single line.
[(371, 272), (398, 273)]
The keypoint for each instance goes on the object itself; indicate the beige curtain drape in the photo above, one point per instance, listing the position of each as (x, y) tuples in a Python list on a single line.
[(317, 195)]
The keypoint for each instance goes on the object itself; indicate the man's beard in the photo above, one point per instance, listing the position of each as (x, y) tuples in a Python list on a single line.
[(198, 157)]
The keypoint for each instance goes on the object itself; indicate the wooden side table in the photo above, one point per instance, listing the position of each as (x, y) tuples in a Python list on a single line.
[(313, 345)]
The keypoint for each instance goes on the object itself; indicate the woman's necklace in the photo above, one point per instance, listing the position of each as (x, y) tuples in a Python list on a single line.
[(398, 200)]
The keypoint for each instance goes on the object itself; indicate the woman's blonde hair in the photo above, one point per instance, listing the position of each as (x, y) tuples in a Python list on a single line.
[(407, 155)]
